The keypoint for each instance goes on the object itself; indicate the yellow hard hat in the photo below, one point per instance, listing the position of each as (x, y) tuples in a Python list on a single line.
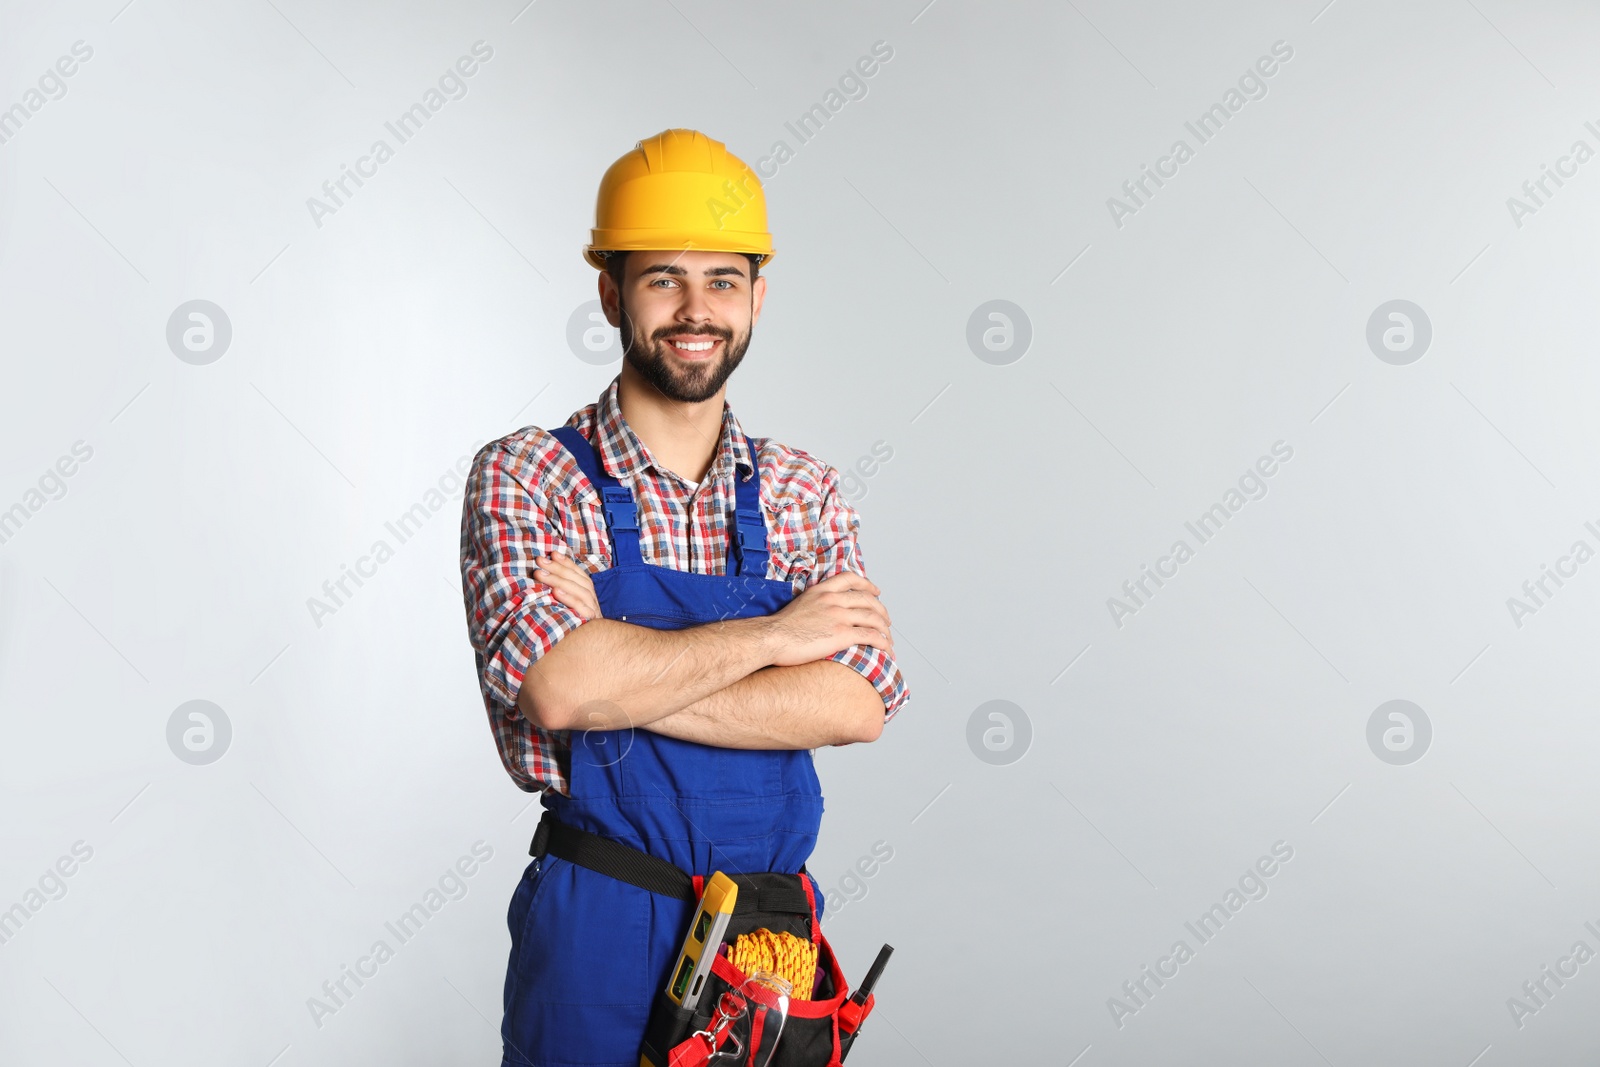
[(679, 189)]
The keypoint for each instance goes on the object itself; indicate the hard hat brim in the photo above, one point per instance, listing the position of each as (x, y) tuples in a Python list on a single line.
[(673, 240)]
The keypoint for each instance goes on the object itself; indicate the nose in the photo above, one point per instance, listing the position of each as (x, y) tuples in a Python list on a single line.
[(695, 309)]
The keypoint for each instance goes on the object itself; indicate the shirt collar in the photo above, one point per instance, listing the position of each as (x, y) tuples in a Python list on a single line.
[(623, 455)]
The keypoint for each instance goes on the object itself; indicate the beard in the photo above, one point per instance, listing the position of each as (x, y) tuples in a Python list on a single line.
[(673, 378)]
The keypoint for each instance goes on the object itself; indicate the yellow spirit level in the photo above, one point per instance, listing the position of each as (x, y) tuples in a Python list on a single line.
[(704, 938), (687, 979)]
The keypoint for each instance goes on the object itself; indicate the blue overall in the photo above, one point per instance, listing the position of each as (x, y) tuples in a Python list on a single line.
[(589, 952)]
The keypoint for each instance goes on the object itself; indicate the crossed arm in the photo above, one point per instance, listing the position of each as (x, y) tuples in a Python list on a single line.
[(741, 683), (810, 704)]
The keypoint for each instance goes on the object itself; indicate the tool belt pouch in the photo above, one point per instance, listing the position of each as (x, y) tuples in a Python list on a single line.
[(810, 1036)]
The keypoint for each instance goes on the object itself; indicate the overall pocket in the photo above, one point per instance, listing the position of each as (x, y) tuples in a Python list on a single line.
[(517, 915)]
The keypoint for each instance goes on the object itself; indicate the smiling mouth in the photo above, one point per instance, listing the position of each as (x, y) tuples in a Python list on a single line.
[(694, 348)]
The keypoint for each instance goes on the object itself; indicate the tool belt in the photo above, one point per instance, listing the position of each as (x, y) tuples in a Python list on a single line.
[(818, 1031)]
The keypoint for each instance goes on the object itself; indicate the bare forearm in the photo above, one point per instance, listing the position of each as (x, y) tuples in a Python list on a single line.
[(805, 706), (609, 674)]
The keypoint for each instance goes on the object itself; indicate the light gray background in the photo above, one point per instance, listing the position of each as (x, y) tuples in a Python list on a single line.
[(371, 353)]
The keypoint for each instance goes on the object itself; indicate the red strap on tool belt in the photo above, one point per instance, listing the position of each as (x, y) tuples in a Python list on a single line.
[(696, 1051)]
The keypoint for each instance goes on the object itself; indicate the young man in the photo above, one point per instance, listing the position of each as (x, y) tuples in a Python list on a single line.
[(667, 616)]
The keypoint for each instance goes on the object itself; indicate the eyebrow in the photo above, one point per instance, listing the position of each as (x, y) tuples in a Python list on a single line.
[(709, 272)]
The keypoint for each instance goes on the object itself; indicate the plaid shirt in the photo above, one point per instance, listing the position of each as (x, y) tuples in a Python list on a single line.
[(525, 494)]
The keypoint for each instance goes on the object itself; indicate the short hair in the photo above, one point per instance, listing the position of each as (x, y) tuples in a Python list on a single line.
[(617, 264)]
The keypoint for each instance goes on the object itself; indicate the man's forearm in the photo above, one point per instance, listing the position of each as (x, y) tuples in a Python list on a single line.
[(609, 675), (805, 706)]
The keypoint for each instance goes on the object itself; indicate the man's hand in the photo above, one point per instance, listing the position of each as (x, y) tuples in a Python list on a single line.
[(571, 584), (829, 617)]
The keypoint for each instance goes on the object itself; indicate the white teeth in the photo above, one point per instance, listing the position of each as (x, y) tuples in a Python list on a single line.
[(697, 346)]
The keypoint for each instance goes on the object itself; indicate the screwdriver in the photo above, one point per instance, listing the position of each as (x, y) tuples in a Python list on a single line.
[(861, 994)]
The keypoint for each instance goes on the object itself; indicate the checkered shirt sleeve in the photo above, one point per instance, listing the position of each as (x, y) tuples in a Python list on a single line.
[(513, 619)]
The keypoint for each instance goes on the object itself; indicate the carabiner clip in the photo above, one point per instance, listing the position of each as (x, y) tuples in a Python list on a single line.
[(730, 1008)]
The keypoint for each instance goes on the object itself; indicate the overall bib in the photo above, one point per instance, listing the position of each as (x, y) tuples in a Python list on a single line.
[(590, 952)]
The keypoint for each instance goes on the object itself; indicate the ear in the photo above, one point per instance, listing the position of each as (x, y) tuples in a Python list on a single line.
[(610, 299), (758, 293)]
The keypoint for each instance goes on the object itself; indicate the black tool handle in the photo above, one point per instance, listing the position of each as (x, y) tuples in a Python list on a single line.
[(860, 996)]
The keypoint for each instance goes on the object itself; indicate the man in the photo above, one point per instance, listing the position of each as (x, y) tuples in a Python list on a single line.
[(667, 616)]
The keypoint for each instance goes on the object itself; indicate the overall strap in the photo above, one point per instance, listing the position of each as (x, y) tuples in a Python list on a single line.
[(747, 545), (747, 549), (622, 515)]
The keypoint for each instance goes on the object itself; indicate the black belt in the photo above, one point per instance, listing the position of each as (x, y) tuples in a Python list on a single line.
[(763, 891)]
